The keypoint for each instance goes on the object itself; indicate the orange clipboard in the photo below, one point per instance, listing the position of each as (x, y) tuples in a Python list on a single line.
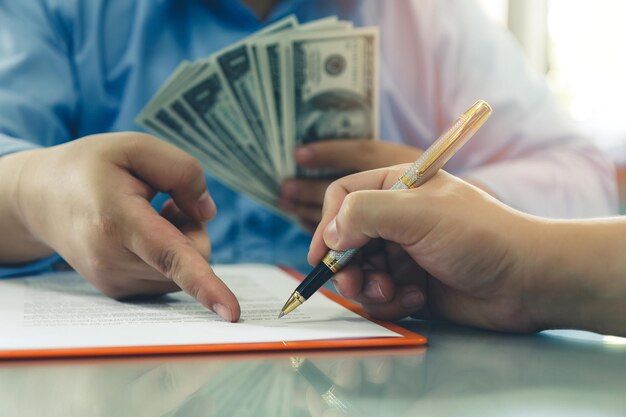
[(407, 338)]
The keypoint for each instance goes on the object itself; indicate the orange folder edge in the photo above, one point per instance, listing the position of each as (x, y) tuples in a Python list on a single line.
[(408, 339)]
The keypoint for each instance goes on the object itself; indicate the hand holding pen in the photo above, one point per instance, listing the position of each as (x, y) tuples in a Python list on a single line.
[(424, 168)]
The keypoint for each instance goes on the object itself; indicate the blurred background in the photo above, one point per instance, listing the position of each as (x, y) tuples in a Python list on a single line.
[(578, 44)]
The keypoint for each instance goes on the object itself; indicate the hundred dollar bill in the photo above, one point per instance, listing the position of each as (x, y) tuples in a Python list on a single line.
[(331, 88), (167, 117), (181, 74), (237, 67), (167, 130), (193, 114), (268, 56), (166, 127), (243, 111), (170, 127), (212, 111), (267, 52), (156, 111), (182, 121)]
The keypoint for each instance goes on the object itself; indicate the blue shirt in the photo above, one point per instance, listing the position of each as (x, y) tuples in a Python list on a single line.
[(76, 68), (71, 68)]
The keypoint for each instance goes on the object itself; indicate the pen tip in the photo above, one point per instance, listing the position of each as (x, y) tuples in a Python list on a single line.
[(281, 314)]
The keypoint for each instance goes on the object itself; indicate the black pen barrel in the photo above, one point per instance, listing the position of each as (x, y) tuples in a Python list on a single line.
[(318, 277)]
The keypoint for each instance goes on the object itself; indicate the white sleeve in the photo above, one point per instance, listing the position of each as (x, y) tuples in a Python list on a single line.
[(529, 153)]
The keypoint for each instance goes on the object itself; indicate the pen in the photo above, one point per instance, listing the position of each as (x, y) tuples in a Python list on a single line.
[(327, 390), (418, 173)]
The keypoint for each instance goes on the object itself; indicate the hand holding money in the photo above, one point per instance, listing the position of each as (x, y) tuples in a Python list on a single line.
[(243, 111), (304, 197)]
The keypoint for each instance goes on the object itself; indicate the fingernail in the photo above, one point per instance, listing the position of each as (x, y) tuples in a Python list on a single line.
[(338, 287), (206, 206), (223, 311), (289, 189), (373, 291), (412, 299), (305, 155), (331, 236)]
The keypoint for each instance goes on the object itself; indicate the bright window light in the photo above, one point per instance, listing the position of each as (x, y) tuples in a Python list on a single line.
[(496, 9), (588, 64)]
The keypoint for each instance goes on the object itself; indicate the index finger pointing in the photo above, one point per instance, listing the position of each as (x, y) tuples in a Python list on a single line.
[(162, 246)]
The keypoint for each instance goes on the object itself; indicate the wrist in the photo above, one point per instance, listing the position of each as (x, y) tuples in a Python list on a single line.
[(578, 280), (17, 190), (10, 187), (19, 243)]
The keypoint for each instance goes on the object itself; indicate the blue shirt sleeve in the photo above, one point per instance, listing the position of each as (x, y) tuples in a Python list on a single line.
[(37, 92), (31, 268), (9, 145)]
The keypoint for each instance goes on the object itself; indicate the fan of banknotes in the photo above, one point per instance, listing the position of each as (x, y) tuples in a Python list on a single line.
[(244, 110)]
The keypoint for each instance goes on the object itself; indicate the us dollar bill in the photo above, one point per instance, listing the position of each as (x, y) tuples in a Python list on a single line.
[(331, 88), (267, 52), (166, 127), (237, 66), (243, 111), (171, 119), (209, 101)]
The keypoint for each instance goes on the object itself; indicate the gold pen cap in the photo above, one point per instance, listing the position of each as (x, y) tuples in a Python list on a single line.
[(446, 145), (455, 137)]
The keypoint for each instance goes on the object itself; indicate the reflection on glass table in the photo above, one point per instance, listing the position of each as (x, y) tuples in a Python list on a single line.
[(462, 372)]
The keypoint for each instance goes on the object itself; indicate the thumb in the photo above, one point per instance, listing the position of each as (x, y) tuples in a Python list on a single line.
[(371, 214), (167, 169)]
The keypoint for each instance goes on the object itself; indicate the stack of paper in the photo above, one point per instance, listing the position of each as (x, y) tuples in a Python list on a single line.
[(61, 314)]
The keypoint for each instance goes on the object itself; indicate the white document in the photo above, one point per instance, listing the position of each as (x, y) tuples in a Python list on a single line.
[(61, 311)]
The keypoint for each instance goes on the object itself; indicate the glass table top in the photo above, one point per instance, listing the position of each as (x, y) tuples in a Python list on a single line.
[(461, 372)]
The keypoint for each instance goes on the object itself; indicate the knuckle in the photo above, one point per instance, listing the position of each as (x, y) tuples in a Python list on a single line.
[(199, 294), (350, 207), (194, 289), (334, 189), (190, 169), (100, 266), (204, 247), (333, 186), (168, 262), (357, 215), (104, 226)]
